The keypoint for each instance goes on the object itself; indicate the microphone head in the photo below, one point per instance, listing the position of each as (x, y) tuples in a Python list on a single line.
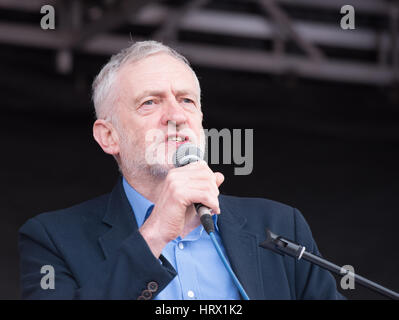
[(187, 153)]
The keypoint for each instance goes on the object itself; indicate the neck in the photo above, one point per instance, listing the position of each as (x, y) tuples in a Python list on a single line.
[(147, 185)]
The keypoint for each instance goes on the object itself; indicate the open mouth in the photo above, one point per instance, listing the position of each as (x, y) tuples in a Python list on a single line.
[(176, 138)]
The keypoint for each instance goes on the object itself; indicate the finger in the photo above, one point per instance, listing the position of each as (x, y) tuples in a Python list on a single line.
[(195, 165), (219, 178), (207, 200), (206, 186), (197, 170)]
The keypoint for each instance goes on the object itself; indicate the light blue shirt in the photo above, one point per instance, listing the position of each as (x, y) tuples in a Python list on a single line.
[(200, 271)]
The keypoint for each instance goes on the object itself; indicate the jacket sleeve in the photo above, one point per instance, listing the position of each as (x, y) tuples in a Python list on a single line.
[(123, 275), (312, 282)]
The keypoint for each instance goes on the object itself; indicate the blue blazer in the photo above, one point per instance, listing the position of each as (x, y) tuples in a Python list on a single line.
[(97, 252)]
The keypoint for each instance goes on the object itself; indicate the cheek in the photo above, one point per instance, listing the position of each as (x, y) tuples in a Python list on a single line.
[(129, 140), (197, 127), (136, 131), (195, 120)]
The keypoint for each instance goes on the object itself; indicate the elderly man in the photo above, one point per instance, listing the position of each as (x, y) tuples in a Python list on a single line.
[(144, 240)]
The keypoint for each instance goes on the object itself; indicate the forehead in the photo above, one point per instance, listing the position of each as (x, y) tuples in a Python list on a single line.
[(159, 72)]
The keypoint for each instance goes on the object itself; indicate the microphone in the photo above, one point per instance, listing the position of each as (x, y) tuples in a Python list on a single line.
[(185, 154), (282, 246)]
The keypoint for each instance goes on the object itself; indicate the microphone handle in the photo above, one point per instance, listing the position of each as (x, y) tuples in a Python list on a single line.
[(205, 217)]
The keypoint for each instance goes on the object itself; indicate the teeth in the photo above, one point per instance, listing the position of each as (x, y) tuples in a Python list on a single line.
[(178, 139)]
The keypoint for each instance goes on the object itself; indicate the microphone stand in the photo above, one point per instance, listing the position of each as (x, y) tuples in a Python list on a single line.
[(283, 246)]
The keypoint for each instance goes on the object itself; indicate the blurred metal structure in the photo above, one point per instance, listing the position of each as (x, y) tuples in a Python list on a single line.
[(299, 37)]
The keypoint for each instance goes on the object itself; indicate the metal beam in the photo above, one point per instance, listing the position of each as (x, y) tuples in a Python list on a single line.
[(375, 7), (25, 5), (32, 36), (211, 56), (256, 27), (257, 61)]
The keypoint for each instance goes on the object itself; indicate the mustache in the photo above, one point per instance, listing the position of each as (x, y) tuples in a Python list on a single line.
[(159, 136)]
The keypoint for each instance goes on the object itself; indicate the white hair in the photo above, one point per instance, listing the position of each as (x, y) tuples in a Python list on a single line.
[(103, 92)]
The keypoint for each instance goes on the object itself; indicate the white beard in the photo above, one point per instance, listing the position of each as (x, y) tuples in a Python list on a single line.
[(134, 164)]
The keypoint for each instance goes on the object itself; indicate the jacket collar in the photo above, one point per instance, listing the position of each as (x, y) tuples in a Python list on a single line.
[(120, 217), (242, 248)]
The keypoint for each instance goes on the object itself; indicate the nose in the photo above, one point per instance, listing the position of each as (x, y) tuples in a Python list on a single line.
[(174, 113)]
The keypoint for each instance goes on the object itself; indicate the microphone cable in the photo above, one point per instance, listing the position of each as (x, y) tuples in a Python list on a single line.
[(207, 222)]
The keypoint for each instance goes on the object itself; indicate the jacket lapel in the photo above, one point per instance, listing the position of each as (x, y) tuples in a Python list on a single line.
[(120, 217), (242, 249)]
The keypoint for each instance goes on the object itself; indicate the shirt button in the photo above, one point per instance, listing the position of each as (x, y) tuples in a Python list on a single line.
[(181, 245), (190, 294)]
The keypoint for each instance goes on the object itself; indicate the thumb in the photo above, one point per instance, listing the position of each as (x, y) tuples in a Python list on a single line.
[(219, 178)]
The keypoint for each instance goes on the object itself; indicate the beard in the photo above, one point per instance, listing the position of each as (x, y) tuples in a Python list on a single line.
[(133, 162)]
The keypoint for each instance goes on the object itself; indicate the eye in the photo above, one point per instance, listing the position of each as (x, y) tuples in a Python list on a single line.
[(148, 103), (187, 101)]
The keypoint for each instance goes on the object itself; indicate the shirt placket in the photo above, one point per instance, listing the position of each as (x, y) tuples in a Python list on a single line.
[(184, 261)]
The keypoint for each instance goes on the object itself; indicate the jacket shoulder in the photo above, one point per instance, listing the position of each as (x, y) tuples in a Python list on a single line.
[(260, 214), (90, 210), (258, 206)]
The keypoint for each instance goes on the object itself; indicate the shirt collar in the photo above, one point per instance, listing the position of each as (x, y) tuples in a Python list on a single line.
[(142, 207)]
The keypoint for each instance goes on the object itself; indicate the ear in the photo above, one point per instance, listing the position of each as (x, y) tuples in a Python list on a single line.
[(106, 136)]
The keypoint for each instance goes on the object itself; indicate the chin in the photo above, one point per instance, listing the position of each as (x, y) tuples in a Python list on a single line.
[(159, 171)]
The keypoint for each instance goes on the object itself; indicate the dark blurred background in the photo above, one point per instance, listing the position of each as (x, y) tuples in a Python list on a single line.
[(323, 103)]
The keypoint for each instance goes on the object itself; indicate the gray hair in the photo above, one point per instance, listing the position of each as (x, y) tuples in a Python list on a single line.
[(103, 92)]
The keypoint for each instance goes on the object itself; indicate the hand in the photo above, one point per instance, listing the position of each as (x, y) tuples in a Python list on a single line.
[(184, 186)]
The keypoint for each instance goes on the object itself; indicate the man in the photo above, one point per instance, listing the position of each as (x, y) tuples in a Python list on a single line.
[(144, 240)]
